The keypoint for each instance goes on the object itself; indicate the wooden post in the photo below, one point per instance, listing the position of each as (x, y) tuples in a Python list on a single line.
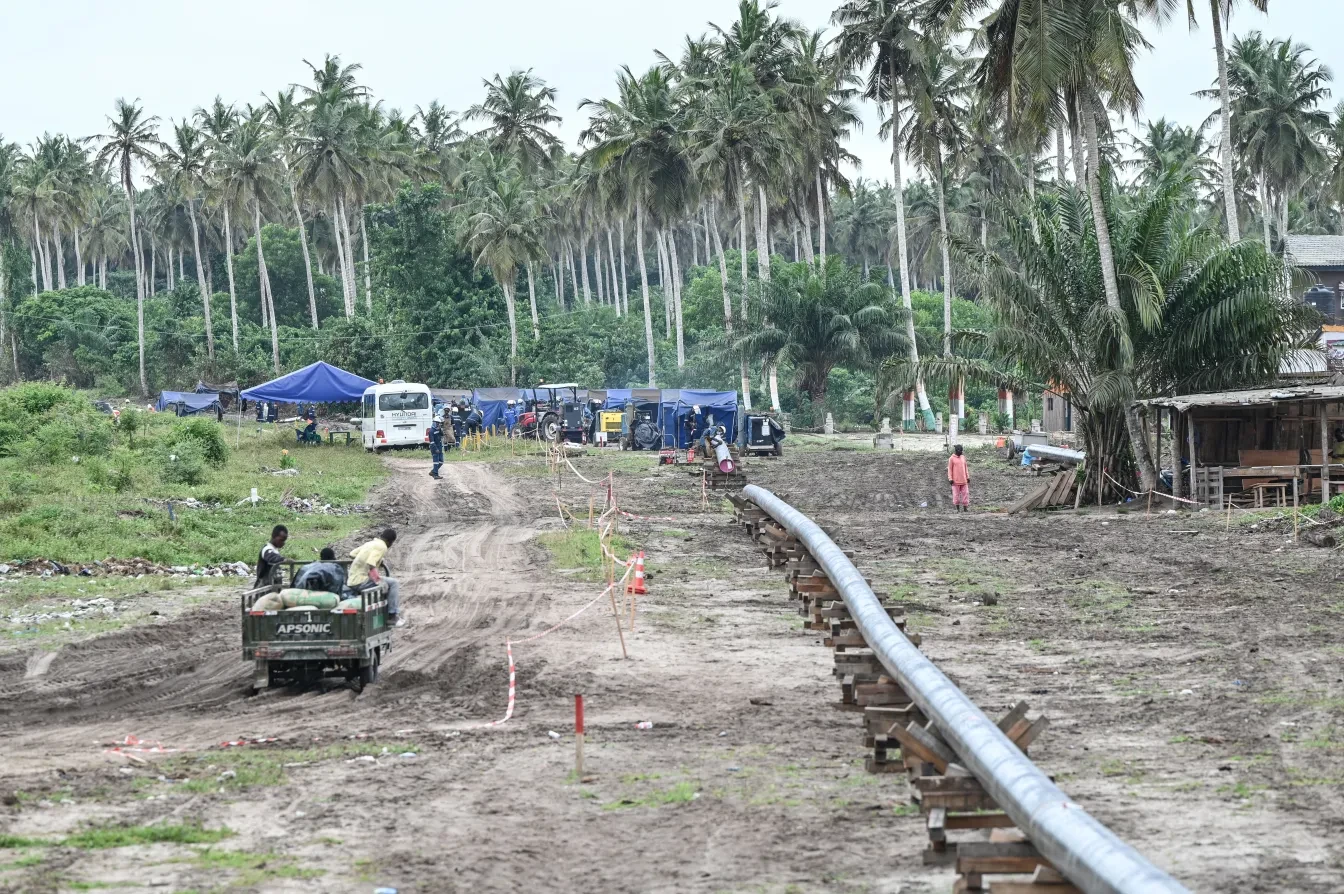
[(611, 590), (1325, 456), (1194, 459), (1176, 480), (1295, 509)]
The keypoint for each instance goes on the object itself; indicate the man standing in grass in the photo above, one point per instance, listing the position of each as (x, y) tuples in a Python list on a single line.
[(959, 476), (364, 574), (436, 445)]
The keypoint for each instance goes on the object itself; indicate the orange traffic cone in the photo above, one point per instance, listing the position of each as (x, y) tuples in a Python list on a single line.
[(636, 585)]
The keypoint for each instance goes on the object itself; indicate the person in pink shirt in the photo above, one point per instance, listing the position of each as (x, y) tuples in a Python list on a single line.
[(959, 476)]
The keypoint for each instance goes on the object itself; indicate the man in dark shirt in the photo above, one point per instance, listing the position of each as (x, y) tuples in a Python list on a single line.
[(270, 559), (325, 575), (436, 445)]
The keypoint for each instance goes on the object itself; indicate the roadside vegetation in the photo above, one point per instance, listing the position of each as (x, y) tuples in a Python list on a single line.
[(77, 486)]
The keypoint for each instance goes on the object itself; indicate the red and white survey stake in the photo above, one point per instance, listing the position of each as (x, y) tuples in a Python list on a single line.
[(578, 736)]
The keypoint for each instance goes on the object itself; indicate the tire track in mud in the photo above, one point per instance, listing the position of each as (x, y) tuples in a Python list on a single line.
[(468, 578)]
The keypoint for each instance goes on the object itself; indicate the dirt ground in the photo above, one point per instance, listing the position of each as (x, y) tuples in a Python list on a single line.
[(1192, 673)]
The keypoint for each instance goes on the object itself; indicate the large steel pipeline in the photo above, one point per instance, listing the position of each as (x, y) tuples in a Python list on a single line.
[(1080, 847)]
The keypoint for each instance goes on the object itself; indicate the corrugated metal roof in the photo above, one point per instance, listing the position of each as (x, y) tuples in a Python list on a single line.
[(1316, 251), (1258, 397)]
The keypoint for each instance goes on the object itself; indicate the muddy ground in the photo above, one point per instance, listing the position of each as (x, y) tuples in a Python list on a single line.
[(1193, 676)]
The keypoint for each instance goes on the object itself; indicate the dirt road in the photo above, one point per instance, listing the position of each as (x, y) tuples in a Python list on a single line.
[(749, 780)]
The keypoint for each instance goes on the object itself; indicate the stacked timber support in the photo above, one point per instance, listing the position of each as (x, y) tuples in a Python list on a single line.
[(966, 828), (714, 479)]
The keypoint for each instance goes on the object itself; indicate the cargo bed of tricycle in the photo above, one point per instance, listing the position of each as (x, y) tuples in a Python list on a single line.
[(305, 644)]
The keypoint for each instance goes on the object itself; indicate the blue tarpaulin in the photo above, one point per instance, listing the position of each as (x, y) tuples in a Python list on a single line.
[(492, 401), (317, 383), (677, 404), (190, 403)]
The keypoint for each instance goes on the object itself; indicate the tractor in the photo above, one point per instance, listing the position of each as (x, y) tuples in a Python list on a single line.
[(554, 412)]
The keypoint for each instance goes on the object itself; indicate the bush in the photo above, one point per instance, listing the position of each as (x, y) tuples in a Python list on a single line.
[(30, 399), (56, 441), (206, 435), (182, 463), (129, 423)]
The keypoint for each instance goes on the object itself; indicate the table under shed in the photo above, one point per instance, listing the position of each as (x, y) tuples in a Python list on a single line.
[(1270, 440)]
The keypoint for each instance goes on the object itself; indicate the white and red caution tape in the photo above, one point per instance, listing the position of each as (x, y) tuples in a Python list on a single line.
[(1145, 493), (132, 745), (510, 643)]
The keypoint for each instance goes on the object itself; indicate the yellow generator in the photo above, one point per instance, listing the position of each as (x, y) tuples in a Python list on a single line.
[(609, 424)]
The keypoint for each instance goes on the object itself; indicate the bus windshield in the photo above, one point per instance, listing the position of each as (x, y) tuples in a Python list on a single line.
[(406, 400)]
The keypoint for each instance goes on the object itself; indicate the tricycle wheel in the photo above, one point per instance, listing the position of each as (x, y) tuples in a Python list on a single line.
[(368, 674)]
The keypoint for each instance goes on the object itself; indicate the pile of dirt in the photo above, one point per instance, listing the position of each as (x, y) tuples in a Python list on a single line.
[(133, 567)]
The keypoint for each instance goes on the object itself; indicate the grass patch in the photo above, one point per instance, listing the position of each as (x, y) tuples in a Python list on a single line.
[(681, 793), (113, 505), (10, 842), (250, 870), (100, 837), (260, 767), (580, 549)]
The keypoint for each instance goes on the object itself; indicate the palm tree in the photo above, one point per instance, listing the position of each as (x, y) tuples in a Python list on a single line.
[(1164, 146), (248, 164), (1221, 17), (1197, 314), (502, 233), (286, 118), (1082, 53), (326, 156), (637, 137), (822, 319), (880, 35), (938, 128), (518, 111), (132, 138), (1276, 95), (185, 162)]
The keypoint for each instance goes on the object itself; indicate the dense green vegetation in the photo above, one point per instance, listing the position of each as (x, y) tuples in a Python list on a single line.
[(706, 230), (77, 487)]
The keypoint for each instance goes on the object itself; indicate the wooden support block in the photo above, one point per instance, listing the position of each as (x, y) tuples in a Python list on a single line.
[(968, 884), (1034, 730), (944, 855), (1011, 887), (937, 824), (994, 858), (872, 765), (961, 799), (959, 821), (920, 742)]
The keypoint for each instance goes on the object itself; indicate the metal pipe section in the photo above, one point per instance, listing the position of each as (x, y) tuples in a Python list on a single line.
[(1054, 454), (1080, 847)]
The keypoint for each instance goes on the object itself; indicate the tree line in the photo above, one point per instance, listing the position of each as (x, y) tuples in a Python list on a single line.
[(723, 168)]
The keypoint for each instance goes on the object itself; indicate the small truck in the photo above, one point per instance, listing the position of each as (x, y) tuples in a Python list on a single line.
[(304, 645)]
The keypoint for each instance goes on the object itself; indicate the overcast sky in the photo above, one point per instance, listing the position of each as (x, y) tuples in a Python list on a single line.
[(66, 61)]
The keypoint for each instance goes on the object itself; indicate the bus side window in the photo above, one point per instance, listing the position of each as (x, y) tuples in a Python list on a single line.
[(368, 406)]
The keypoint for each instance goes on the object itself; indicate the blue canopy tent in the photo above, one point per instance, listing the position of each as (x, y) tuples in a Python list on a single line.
[(185, 403), (492, 401), (317, 383), (679, 403)]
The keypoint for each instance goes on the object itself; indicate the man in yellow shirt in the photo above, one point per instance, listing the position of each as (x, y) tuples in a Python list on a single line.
[(364, 574)]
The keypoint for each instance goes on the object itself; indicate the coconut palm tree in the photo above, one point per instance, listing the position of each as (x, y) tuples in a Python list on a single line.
[(132, 138), (285, 116), (880, 36), (638, 138), (518, 112), (502, 233), (250, 168), (1220, 16), (185, 162), (327, 159)]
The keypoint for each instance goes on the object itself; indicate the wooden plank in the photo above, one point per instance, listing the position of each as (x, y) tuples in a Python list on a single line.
[(998, 858), (1012, 887), (920, 742), (1017, 713), (1032, 732)]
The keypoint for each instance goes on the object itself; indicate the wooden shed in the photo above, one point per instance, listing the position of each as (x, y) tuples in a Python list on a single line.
[(1263, 447)]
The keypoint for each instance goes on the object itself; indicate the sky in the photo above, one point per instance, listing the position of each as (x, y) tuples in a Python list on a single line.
[(77, 56)]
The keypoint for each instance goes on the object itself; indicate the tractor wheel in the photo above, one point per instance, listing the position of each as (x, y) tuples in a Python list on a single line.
[(779, 450), (550, 426)]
